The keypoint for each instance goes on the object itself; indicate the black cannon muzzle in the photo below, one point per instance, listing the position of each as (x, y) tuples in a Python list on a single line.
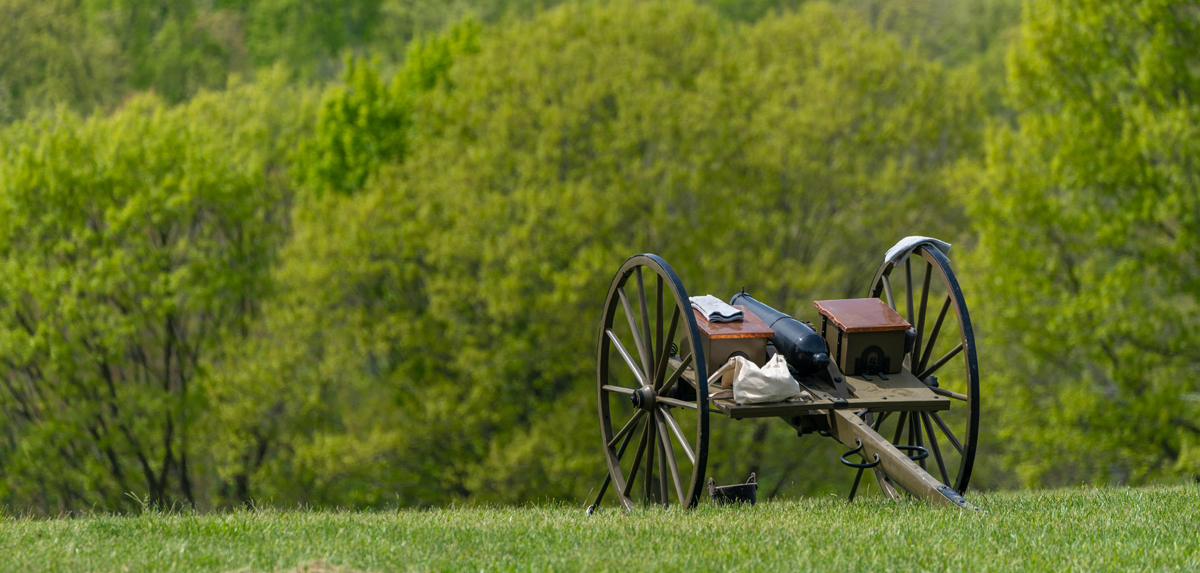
[(800, 345)]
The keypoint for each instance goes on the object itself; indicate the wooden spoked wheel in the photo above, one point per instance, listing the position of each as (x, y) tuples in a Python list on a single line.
[(653, 419), (925, 291)]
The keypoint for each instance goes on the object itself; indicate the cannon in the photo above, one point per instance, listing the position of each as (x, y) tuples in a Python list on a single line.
[(896, 385)]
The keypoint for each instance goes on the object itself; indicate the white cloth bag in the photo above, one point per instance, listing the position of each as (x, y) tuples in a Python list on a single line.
[(771, 383)]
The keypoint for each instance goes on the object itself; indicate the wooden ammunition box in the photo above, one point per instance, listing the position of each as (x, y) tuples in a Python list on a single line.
[(865, 336), (721, 340)]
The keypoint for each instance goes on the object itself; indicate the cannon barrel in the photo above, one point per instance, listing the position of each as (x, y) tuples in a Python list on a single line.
[(801, 346)]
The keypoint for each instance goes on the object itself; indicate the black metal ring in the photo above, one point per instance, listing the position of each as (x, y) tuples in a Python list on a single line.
[(924, 452), (855, 451)]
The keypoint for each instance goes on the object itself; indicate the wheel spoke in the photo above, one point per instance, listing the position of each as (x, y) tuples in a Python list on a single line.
[(668, 452), (637, 333), (648, 482), (937, 451), (879, 421), (683, 364), (941, 362), (658, 309), (676, 403), (916, 352), (675, 429), (664, 487), (900, 427), (664, 350), (887, 289), (637, 462), (920, 441), (648, 357), (946, 430), (624, 444), (631, 424), (625, 356), (908, 288), (912, 426), (618, 389), (937, 326)]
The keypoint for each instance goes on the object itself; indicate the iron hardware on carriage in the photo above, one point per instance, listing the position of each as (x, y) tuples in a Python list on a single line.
[(870, 375)]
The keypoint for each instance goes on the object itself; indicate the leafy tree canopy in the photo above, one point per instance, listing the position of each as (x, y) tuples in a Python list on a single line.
[(450, 304), (131, 244), (1087, 213)]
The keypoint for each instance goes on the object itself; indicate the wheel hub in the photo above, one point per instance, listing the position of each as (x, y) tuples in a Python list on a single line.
[(643, 398)]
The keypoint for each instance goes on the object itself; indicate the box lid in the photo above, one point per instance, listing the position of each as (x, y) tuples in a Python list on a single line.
[(862, 315), (751, 326)]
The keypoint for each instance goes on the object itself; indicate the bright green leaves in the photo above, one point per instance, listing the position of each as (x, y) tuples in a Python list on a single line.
[(365, 123), (1086, 216), (361, 124), (50, 56), (131, 245), (438, 324)]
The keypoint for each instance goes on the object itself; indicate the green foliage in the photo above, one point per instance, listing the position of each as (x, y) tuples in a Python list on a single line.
[(730, 148), (131, 245), (169, 46), (432, 339), (418, 326), (308, 36), (89, 53), (1088, 216), (365, 123), (953, 31), (50, 56)]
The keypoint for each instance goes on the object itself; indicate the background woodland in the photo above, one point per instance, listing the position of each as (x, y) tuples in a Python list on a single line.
[(353, 252)]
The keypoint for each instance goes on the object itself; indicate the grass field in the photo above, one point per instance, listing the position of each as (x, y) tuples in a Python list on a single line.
[(1078, 529)]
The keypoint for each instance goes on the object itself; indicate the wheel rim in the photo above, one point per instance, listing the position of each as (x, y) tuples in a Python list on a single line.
[(945, 354), (653, 422)]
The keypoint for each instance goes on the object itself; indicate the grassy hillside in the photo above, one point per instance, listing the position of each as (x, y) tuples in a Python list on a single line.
[(1077, 529)]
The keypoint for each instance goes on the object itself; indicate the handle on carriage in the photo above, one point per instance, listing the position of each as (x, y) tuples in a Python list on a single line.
[(855, 451)]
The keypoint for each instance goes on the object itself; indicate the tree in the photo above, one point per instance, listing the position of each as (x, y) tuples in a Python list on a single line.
[(364, 123), (434, 335), (1087, 212), (132, 244), (51, 57), (173, 47), (305, 406)]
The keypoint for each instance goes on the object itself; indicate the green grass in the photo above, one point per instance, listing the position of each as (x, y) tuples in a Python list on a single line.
[(1077, 529)]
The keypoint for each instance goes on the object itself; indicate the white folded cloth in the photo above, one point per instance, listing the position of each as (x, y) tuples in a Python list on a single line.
[(715, 309), (899, 253)]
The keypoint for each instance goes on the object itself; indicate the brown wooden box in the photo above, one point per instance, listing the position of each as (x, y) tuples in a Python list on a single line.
[(720, 340), (864, 335)]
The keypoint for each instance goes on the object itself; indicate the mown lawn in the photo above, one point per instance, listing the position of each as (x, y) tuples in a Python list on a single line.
[(1077, 529)]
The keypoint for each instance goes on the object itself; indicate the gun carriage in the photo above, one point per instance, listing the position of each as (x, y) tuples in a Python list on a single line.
[(870, 377)]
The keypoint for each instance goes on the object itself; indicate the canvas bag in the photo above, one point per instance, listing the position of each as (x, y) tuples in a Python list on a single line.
[(771, 383)]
